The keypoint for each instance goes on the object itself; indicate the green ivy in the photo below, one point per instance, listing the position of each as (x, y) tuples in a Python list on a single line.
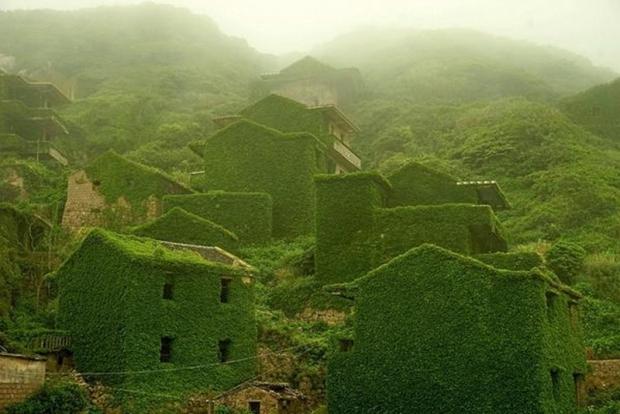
[(177, 225), (247, 157), (110, 300), (436, 332), (248, 215)]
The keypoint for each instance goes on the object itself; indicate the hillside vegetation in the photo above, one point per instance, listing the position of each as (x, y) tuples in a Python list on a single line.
[(148, 80)]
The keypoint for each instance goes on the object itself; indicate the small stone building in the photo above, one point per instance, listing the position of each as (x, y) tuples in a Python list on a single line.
[(165, 320), (113, 191), (437, 332), (313, 83), (20, 376), (265, 398)]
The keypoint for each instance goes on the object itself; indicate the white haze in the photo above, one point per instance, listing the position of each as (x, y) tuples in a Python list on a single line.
[(588, 27)]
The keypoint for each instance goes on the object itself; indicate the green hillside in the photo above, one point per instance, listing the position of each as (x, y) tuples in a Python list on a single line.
[(148, 74), (597, 110)]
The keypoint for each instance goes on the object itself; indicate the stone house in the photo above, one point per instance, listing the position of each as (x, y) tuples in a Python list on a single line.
[(435, 331), (153, 314), (264, 398), (115, 191), (313, 83), (325, 122), (382, 220), (20, 376)]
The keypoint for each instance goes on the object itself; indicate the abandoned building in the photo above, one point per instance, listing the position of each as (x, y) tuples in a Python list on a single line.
[(113, 191), (383, 220), (275, 147), (313, 83), (20, 377), (248, 215), (264, 398), (180, 226), (436, 331), (28, 124), (326, 122), (149, 313)]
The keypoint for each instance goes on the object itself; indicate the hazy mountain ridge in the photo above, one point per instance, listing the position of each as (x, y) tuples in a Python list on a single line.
[(459, 64)]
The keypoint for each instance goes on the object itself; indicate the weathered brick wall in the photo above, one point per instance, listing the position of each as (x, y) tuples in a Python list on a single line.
[(19, 377), (84, 203), (240, 400), (604, 375)]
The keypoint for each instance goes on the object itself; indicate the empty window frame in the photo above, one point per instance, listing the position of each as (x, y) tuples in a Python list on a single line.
[(165, 349), (346, 345), (254, 407), (579, 389), (168, 291), (225, 290), (223, 351), (555, 383)]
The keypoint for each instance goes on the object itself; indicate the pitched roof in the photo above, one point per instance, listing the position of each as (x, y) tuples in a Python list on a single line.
[(422, 253), (178, 225), (307, 66)]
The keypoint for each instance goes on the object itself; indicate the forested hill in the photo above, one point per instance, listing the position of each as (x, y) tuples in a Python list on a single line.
[(460, 65), (597, 109), (148, 74)]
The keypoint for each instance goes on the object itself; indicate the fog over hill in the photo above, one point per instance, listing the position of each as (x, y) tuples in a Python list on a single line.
[(282, 26)]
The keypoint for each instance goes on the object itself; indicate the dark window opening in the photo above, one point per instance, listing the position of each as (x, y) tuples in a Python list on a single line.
[(346, 345), (254, 407), (578, 381), (224, 350), (555, 383), (550, 300), (168, 289), (225, 290), (165, 351)]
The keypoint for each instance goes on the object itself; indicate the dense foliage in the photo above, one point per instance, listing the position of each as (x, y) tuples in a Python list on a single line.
[(61, 398), (248, 215), (118, 327), (498, 346), (177, 225), (246, 156)]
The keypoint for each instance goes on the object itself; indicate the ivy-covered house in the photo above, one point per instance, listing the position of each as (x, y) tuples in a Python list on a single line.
[(313, 83), (438, 332), (326, 122), (28, 124), (364, 219), (247, 157), (114, 191), (150, 319)]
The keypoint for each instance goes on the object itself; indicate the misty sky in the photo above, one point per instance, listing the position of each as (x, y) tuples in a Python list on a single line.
[(588, 27)]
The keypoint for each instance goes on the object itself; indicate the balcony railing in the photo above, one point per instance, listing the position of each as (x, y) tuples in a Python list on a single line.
[(346, 153)]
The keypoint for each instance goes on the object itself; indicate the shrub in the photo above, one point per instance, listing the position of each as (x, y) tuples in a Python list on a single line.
[(61, 398), (566, 259)]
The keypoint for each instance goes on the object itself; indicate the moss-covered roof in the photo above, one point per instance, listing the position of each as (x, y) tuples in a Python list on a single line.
[(245, 127), (144, 249), (117, 177), (178, 225), (439, 253), (307, 66)]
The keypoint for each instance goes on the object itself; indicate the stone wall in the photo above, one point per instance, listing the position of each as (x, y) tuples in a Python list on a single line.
[(84, 203), (20, 376), (604, 375)]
